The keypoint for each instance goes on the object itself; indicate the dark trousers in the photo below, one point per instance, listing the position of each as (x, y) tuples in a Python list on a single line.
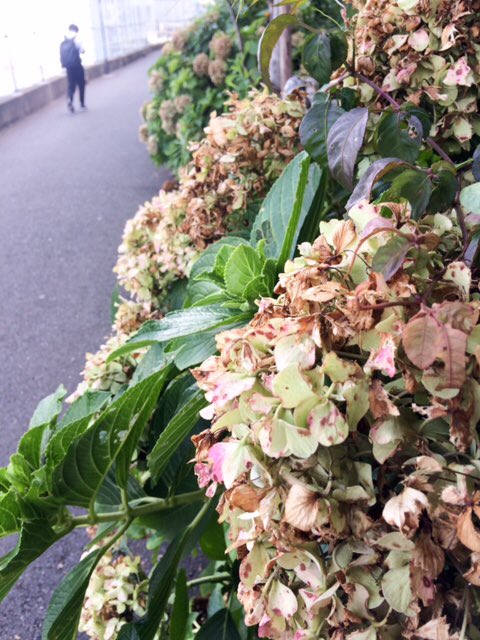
[(76, 78)]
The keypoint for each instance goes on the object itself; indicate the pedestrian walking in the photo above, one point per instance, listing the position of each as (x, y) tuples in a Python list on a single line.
[(70, 50)]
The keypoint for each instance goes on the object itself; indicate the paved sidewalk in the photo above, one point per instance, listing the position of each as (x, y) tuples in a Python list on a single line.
[(67, 186)]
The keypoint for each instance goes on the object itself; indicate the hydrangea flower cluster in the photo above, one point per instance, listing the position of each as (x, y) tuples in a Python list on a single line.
[(170, 111), (344, 435), (241, 155), (115, 594), (426, 53), (243, 152), (153, 253)]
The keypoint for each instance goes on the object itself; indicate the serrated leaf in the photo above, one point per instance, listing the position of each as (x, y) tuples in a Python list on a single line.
[(177, 324), (470, 198), (49, 408), (89, 403), (267, 43), (285, 208), (317, 57), (35, 538), (399, 134), (242, 266), (344, 142), (33, 443), (180, 609), (374, 172), (206, 261), (65, 607), (80, 474), (220, 626), (11, 513), (316, 124), (175, 432), (390, 257)]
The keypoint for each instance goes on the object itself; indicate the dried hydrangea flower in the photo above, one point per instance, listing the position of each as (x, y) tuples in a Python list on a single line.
[(335, 416), (200, 64), (221, 45), (217, 70), (180, 39), (116, 593), (424, 53)]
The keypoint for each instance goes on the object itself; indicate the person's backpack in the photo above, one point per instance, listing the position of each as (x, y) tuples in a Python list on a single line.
[(69, 56)]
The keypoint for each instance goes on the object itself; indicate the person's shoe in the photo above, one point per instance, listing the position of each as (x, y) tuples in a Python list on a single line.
[(83, 107), (70, 106)]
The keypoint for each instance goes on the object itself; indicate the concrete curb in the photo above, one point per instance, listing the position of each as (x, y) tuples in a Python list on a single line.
[(13, 108)]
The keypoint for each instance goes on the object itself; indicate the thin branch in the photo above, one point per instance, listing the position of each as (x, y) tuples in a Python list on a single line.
[(235, 26), (132, 512), (217, 577)]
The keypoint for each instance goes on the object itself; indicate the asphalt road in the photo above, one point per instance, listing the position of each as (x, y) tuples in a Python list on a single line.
[(67, 186)]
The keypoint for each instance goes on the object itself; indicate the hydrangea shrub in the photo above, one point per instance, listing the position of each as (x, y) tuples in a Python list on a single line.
[(341, 415)]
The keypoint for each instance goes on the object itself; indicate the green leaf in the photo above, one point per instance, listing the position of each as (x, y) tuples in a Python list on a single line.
[(470, 198), (48, 409), (267, 43), (444, 191), (163, 578), (180, 609), (399, 134), (212, 541), (317, 57), (316, 124), (338, 48), (344, 142), (80, 474), (34, 539), (242, 266), (256, 288), (374, 172), (33, 444), (63, 613), (89, 403), (285, 208), (175, 432), (206, 261), (220, 626), (59, 443), (176, 325), (413, 185), (390, 257), (396, 589), (194, 349), (154, 360), (11, 513)]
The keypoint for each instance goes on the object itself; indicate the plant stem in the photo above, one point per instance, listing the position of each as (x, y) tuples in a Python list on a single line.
[(397, 107), (217, 577), (160, 504), (235, 26), (465, 163)]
